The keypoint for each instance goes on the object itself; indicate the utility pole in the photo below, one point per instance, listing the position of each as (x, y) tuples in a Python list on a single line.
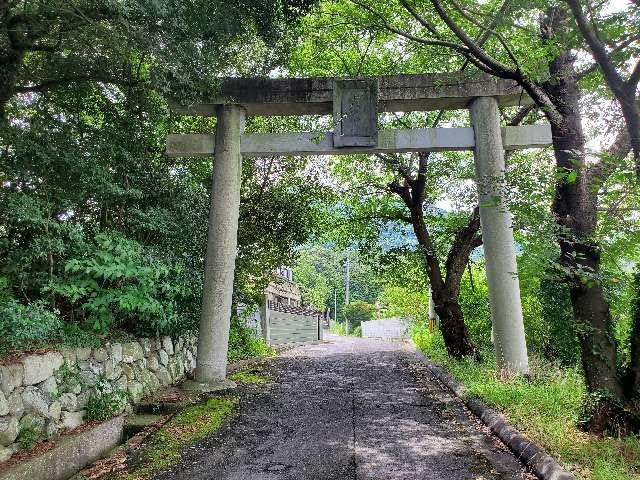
[(335, 304), (346, 294)]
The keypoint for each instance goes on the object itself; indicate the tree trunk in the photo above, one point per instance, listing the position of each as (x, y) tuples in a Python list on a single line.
[(574, 207), (445, 292), (632, 379)]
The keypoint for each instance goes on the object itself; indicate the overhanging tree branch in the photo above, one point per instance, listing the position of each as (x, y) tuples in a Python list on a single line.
[(56, 82)]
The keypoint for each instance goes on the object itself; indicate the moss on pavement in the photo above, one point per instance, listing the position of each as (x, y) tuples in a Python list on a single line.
[(192, 424)]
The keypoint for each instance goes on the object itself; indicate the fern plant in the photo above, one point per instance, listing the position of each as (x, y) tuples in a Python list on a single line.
[(119, 283)]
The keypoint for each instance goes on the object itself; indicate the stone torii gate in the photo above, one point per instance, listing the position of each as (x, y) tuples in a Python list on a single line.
[(355, 104)]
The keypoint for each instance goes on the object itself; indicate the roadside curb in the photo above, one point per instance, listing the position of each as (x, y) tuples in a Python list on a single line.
[(534, 457)]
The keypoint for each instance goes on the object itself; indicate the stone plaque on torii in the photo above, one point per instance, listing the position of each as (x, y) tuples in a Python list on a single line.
[(355, 104)]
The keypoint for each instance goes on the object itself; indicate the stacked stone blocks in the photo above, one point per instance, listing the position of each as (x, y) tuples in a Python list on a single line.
[(47, 393)]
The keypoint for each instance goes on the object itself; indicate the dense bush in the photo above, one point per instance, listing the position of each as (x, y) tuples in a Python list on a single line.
[(118, 284), (396, 301), (546, 311), (244, 342), (27, 326), (357, 312)]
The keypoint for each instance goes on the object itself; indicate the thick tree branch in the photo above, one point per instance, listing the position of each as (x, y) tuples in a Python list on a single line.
[(596, 46), (502, 69), (465, 241), (56, 82)]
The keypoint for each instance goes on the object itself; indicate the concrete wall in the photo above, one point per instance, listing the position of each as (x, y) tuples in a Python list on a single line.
[(394, 327), (49, 392), (292, 328)]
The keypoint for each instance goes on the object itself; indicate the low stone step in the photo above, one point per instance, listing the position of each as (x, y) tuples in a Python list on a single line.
[(159, 408), (137, 422)]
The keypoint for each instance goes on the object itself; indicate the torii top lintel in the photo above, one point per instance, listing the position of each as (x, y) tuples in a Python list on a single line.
[(397, 93)]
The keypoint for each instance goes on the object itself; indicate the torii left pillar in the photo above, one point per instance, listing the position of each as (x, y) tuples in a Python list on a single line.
[(222, 240)]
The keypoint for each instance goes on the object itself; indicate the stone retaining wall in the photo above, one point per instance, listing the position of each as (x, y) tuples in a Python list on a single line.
[(47, 394)]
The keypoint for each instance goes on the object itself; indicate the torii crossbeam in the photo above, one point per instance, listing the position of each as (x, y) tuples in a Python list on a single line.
[(355, 104)]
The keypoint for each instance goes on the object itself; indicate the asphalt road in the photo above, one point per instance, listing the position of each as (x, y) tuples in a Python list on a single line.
[(354, 409)]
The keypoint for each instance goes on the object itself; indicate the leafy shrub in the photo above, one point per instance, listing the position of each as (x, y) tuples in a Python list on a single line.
[(117, 284), (244, 342), (357, 312), (29, 435), (426, 340), (397, 301), (341, 329), (26, 326), (338, 328), (106, 401)]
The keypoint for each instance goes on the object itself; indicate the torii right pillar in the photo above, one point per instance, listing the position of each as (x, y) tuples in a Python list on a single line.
[(497, 237)]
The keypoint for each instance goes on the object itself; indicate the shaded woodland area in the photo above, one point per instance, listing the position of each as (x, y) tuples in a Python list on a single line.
[(102, 235)]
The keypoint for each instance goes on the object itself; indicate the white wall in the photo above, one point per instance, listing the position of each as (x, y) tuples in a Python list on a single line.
[(394, 327)]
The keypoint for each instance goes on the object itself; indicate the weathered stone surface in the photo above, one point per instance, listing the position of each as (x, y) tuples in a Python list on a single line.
[(314, 96), (69, 356), (33, 422), (8, 430), (10, 377), (58, 399), (50, 388), (116, 352), (127, 371), (163, 376), (136, 390), (35, 401), (53, 428), (14, 402), (167, 344), (93, 366), (100, 354), (38, 368), (131, 352), (5, 454), (150, 382), (112, 369), (55, 409), (176, 367), (77, 450), (4, 405), (68, 401), (82, 399), (152, 362), (87, 377), (83, 354), (145, 343), (121, 383), (72, 420), (164, 357)]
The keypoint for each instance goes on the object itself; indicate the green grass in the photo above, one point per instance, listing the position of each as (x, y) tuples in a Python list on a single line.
[(547, 408), (186, 428), (341, 329), (249, 376)]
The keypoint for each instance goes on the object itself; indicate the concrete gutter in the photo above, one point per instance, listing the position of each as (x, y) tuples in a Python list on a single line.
[(534, 457), (70, 454)]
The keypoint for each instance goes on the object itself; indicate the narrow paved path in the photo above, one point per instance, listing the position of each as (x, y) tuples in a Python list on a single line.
[(350, 409)]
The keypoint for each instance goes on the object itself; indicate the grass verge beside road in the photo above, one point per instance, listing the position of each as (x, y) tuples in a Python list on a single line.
[(547, 408)]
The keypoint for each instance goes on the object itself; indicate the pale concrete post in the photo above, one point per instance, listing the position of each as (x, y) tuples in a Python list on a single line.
[(266, 324), (497, 237), (222, 239)]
